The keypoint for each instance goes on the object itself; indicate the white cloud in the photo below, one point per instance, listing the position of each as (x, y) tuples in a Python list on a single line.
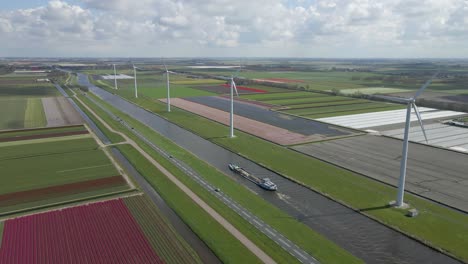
[(239, 28)]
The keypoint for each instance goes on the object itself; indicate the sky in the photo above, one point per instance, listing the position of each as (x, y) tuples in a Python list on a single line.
[(235, 28)]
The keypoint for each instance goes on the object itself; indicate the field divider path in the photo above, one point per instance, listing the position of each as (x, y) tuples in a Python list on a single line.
[(216, 216)]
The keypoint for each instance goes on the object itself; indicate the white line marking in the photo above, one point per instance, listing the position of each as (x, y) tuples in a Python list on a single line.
[(271, 233), (284, 242), (257, 222), (243, 212), (299, 253)]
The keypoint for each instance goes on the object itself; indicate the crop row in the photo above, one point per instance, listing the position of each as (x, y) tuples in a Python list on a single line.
[(160, 234), (102, 232)]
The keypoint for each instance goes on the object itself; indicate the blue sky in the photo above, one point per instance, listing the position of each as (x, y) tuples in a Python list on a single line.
[(241, 28)]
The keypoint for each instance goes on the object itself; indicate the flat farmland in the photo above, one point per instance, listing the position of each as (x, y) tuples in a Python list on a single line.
[(153, 85), (104, 232), (328, 79), (58, 169), (20, 97), (16, 109), (26, 86), (317, 105)]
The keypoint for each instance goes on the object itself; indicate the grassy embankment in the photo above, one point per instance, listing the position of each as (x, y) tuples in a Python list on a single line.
[(316, 245)]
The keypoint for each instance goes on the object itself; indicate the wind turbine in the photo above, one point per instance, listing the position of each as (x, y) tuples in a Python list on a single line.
[(135, 77), (231, 116), (410, 103), (168, 89), (115, 78)]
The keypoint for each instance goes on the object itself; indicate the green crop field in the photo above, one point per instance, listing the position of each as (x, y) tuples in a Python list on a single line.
[(153, 86), (197, 81), (16, 109), (21, 113), (317, 105), (34, 115), (52, 164), (304, 100), (161, 235), (341, 109), (280, 96), (26, 87), (325, 104), (20, 97)]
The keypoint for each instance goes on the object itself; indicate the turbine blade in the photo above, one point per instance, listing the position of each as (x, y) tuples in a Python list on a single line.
[(235, 87), (420, 121), (425, 85)]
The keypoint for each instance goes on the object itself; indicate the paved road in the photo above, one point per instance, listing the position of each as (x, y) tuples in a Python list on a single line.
[(198, 245), (270, 232), (363, 237), (434, 173), (296, 124)]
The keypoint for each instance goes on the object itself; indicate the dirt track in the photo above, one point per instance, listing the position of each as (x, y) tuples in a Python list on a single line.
[(272, 133)]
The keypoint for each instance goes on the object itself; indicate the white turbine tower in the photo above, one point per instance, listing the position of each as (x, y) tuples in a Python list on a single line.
[(410, 103), (135, 77), (231, 116), (115, 78), (168, 100)]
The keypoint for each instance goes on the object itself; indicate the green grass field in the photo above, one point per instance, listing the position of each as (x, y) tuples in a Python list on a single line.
[(161, 235), (34, 115), (16, 109), (311, 242), (21, 113), (51, 164), (436, 225)]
